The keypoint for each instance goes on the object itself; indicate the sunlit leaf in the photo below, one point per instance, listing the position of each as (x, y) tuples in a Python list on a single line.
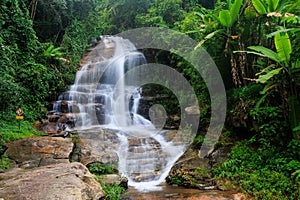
[(283, 46), (264, 78), (265, 70), (225, 18), (265, 52), (259, 7), (235, 9), (249, 12), (282, 31), (209, 36), (272, 5)]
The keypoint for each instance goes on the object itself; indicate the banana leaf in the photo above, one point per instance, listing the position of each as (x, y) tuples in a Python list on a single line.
[(283, 46), (209, 36), (272, 5), (265, 52), (225, 18), (265, 77), (234, 10), (259, 7)]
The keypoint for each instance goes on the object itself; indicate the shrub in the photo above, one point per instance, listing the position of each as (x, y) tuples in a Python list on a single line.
[(262, 173)]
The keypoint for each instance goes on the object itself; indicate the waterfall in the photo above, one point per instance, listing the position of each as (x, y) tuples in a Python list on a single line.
[(145, 154)]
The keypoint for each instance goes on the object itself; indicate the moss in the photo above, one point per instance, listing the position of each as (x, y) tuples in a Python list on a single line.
[(5, 162)]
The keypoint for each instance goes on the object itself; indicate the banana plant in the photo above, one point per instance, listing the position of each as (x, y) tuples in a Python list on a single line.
[(266, 6), (226, 18), (281, 62), (52, 52), (229, 16), (281, 57)]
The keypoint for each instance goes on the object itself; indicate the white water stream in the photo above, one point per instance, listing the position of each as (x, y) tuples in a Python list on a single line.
[(146, 154)]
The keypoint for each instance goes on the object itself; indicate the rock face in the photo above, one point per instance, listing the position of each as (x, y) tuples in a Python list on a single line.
[(115, 179), (70, 181), (194, 172), (97, 145), (40, 151)]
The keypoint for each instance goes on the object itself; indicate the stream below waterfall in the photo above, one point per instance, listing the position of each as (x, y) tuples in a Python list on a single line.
[(105, 97), (180, 193)]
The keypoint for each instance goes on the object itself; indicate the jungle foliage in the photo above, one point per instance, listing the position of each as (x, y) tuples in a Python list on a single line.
[(254, 43)]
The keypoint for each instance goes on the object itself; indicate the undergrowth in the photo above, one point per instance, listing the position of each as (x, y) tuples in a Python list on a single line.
[(9, 131), (112, 191), (264, 173)]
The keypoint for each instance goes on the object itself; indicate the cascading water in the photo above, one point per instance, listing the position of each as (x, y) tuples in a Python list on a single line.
[(146, 154)]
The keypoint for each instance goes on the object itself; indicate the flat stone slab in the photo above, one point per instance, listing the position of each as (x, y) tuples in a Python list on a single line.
[(71, 181), (40, 151)]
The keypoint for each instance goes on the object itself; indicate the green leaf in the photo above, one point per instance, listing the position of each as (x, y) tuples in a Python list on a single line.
[(265, 70), (251, 52), (235, 9), (294, 114), (283, 46), (268, 87), (282, 31), (296, 128), (265, 52), (264, 78), (260, 101), (249, 12), (271, 5), (275, 4), (225, 18), (259, 7), (209, 36)]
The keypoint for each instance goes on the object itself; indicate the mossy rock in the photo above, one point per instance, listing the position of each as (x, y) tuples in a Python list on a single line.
[(191, 171)]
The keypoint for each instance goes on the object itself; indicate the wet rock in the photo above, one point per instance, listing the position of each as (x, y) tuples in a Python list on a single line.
[(49, 128), (39, 151), (61, 181), (219, 155), (192, 172), (115, 179), (98, 146), (53, 117), (192, 110)]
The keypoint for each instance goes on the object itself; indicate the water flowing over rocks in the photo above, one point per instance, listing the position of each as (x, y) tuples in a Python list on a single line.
[(70, 181), (92, 113)]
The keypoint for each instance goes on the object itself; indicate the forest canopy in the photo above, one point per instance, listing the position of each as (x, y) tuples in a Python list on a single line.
[(254, 43)]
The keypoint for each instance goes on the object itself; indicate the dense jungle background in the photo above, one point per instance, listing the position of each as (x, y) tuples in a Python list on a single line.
[(254, 43)]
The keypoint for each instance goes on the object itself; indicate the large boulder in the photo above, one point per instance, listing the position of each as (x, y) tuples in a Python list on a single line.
[(71, 181), (99, 145), (39, 151), (192, 172)]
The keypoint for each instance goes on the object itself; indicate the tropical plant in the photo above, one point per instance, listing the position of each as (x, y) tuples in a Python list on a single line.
[(52, 52), (280, 70)]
